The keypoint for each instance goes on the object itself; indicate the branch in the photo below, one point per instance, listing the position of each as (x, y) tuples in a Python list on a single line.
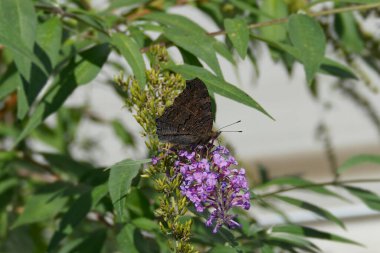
[(284, 20), (336, 183), (315, 14)]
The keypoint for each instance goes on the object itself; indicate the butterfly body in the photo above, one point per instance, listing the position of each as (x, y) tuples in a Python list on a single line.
[(188, 122)]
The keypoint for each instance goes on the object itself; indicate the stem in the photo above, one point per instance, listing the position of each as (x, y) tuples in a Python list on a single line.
[(315, 14), (333, 182), (284, 20)]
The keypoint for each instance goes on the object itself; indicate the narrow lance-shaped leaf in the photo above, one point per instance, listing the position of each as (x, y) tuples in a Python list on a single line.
[(189, 36), (335, 68), (312, 208), (83, 70), (49, 36), (197, 44), (43, 205), (76, 213), (9, 81), (371, 199), (359, 160), (347, 29), (328, 66), (18, 24), (357, 1), (217, 85), (7, 184), (91, 243), (125, 239), (289, 242), (131, 52), (309, 40), (311, 232), (119, 182), (222, 249), (303, 184), (238, 33), (223, 50)]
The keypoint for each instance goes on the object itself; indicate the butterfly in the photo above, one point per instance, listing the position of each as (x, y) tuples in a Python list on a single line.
[(188, 121)]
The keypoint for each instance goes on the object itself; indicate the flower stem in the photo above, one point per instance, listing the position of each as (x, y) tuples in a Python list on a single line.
[(315, 14), (333, 182)]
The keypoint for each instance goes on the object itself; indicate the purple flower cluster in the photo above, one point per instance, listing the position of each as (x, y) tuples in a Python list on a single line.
[(210, 183)]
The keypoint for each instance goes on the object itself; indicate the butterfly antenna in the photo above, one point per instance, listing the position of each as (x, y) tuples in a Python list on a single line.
[(230, 125), (239, 131)]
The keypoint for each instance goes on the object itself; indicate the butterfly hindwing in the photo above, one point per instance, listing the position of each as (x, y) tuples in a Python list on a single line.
[(189, 120)]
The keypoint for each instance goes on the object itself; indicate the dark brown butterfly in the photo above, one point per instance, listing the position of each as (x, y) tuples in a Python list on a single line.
[(188, 122)]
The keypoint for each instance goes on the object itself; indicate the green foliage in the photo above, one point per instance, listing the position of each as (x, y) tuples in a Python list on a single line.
[(309, 41), (62, 201), (120, 181), (238, 32)]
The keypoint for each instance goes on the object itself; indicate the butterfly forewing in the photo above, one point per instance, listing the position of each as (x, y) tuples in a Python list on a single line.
[(189, 120)]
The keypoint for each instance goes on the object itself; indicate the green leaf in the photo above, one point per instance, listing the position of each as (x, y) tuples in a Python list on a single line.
[(311, 232), (92, 243), (312, 208), (309, 40), (197, 44), (334, 68), (29, 90), (138, 204), (328, 66), (266, 249), (217, 85), (42, 206), (18, 24), (83, 70), (122, 133), (358, 160), (357, 1), (77, 212), (131, 52), (145, 224), (9, 82), (18, 47), (287, 241), (7, 184), (302, 184), (123, 3), (371, 199), (269, 10), (222, 249), (176, 21), (125, 239), (189, 36), (49, 36), (120, 180), (66, 164), (347, 29), (246, 6), (130, 240), (238, 33), (223, 50), (90, 19), (138, 35)]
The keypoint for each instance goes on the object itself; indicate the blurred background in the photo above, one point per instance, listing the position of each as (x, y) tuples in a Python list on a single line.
[(293, 144)]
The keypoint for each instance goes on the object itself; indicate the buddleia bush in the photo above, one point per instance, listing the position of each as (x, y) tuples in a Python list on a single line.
[(177, 199)]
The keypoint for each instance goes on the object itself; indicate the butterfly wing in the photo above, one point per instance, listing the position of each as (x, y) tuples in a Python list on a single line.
[(188, 121)]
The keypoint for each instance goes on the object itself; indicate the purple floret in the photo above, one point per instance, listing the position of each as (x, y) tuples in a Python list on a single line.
[(210, 183)]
